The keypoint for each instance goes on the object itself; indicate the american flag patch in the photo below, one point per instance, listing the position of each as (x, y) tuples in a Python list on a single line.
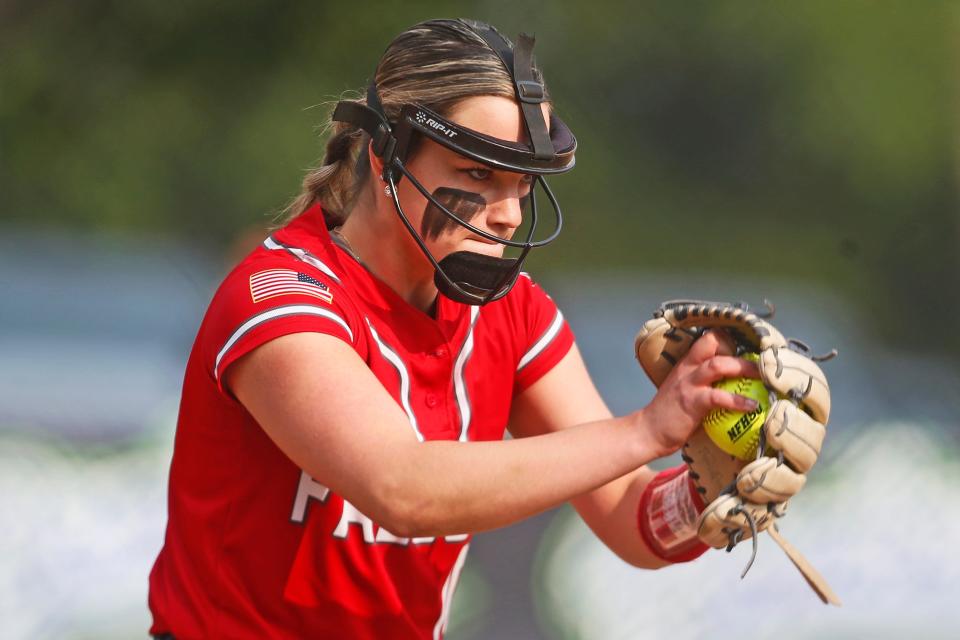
[(283, 282)]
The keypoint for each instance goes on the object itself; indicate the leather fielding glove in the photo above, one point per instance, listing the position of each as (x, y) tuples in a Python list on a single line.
[(745, 498)]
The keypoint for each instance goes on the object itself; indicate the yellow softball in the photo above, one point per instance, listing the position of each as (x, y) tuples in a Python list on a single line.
[(738, 432)]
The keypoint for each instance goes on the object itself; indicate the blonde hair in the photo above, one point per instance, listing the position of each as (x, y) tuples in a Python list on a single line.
[(436, 64)]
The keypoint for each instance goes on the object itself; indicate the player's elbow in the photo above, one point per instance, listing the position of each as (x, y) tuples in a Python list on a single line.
[(390, 512), (408, 502), (421, 515), (397, 524), (403, 519), (404, 510)]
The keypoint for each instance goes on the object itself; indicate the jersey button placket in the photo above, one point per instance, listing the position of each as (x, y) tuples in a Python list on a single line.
[(434, 399)]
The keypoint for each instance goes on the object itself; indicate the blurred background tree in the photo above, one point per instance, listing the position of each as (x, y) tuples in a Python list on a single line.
[(812, 140)]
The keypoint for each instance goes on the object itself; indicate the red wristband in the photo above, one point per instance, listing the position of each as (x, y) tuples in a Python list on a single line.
[(668, 515)]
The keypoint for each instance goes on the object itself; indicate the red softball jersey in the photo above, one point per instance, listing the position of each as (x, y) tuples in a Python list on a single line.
[(254, 547)]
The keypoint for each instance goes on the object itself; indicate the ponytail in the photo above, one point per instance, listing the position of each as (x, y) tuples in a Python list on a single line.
[(335, 184)]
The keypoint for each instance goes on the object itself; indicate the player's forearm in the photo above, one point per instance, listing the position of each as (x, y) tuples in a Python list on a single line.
[(442, 487), (611, 513)]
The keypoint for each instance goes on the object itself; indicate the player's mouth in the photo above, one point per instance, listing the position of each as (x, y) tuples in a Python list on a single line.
[(478, 244)]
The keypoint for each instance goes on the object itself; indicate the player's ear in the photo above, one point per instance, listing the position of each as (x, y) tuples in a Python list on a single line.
[(376, 162)]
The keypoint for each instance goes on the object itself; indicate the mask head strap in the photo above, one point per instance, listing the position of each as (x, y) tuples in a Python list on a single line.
[(371, 119), (518, 62)]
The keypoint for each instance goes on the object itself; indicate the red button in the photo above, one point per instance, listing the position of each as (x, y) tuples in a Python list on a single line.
[(440, 352), (432, 400)]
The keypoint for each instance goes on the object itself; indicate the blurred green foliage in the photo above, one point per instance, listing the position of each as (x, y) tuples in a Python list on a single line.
[(813, 140)]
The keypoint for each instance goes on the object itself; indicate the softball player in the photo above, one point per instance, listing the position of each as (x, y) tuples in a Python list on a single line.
[(341, 429)]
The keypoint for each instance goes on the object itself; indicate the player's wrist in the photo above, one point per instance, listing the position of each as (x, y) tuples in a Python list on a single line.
[(649, 440), (667, 516)]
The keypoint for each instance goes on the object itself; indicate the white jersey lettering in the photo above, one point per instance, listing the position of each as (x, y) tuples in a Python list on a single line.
[(352, 515), (306, 489), (310, 488), (385, 536)]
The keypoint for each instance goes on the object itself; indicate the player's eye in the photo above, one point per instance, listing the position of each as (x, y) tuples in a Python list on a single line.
[(479, 173)]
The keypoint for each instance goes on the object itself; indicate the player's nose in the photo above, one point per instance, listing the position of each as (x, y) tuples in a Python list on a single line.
[(505, 215)]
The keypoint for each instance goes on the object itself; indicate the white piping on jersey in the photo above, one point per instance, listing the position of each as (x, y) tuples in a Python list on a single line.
[(300, 254), (391, 356), (446, 593), (459, 384), (543, 342), (277, 312)]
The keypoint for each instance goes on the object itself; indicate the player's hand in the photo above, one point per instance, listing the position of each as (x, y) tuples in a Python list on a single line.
[(687, 394)]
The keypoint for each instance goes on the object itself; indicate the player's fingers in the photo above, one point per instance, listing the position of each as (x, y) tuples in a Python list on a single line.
[(722, 367), (719, 399), (704, 348), (726, 346)]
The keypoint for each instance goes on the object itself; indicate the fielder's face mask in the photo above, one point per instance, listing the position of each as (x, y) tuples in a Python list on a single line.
[(464, 276)]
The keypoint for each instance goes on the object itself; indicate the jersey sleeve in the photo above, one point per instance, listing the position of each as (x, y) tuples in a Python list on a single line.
[(262, 301), (546, 336)]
